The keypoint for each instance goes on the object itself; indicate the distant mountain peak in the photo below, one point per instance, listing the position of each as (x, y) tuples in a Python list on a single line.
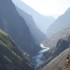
[(61, 23), (41, 21)]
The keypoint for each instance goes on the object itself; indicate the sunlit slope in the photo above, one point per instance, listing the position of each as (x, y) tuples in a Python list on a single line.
[(58, 43), (59, 63)]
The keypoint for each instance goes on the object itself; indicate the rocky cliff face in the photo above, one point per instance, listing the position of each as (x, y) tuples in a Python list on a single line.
[(15, 25), (59, 63), (57, 43)]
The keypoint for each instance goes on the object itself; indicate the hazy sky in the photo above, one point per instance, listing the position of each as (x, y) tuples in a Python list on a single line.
[(49, 7)]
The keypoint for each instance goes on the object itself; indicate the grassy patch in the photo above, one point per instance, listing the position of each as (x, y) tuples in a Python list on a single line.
[(9, 60)]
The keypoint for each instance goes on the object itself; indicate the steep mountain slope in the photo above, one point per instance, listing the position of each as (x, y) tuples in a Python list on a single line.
[(61, 23), (36, 33), (10, 56), (43, 22), (57, 43), (59, 63), (15, 25)]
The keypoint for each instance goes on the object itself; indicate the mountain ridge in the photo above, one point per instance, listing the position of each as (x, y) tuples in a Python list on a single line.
[(41, 21), (36, 33), (16, 27), (60, 23)]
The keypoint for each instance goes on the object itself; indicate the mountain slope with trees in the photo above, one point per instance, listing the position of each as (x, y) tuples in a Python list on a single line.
[(11, 58)]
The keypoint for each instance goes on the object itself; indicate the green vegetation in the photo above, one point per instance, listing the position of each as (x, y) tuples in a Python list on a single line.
[(3, 33), (6, 43), (11, 55), (7, 59)]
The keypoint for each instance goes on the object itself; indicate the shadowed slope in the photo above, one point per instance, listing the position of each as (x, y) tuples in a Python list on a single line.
[(10, 56), (38, 36), (15, 25)]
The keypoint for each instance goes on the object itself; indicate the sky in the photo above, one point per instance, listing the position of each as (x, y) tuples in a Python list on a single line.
[(53, 8)]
